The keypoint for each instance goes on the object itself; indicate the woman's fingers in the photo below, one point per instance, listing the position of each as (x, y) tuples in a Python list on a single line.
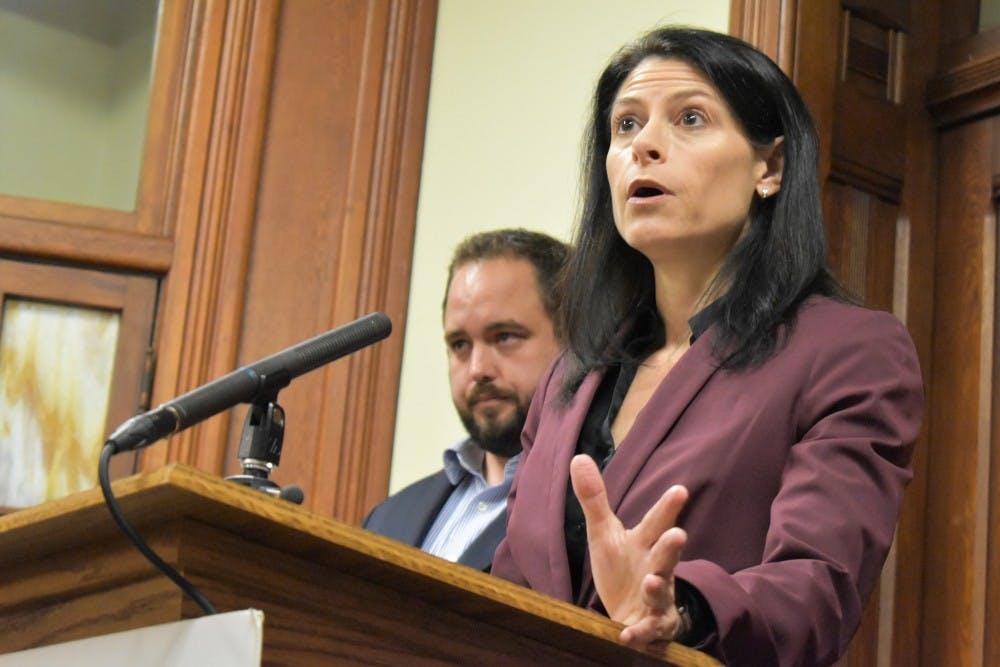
[(666, 552), (589, 489), (661, 516), (648, 630)]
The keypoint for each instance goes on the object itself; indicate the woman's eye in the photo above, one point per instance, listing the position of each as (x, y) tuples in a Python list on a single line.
[(691, 118), (625, 125)]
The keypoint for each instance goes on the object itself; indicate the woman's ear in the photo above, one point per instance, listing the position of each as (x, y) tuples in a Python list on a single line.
[(773, 156)]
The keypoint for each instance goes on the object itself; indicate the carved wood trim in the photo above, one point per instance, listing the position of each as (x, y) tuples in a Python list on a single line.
[(769, 25), (228, 83), (85, 245), (363, 253), (176, 44), (959, 413), (864, 178), (26, 208), (968, 83), (378, 228)]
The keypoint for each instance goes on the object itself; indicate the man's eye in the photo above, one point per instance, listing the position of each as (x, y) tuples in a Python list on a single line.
[(457, 345)]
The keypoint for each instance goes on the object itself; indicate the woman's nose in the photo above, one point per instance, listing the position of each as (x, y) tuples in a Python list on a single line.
[(650, 144)]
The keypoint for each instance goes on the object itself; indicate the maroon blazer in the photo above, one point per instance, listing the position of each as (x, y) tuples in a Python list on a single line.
[(795, 470)]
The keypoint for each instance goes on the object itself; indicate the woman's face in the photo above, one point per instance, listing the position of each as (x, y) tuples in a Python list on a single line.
[(681, 172)]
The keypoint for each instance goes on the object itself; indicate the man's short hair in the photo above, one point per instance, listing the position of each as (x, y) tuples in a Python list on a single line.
[(547, 255)]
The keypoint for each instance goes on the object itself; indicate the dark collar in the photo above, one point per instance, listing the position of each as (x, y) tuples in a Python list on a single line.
[(646, 330)]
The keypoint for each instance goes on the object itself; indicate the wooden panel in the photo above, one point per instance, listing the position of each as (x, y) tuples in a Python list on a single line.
[(299, 222), (80, 243), (862, 231), (133, 297), (870, 154), (968, 83), (964, 311), (991, 639), (878, 167), (205, 291), (895, 13), (331, 593)]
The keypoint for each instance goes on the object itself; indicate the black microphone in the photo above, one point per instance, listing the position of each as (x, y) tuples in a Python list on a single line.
[(249, 383)]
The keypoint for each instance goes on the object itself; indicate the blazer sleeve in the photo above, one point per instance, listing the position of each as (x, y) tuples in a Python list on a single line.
[(833, 518)]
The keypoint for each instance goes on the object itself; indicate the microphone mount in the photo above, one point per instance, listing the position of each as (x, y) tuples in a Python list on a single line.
[(260, 448), (263, 430)]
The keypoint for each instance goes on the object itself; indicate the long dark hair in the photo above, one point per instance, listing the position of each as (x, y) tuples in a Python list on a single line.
[(777, 263)]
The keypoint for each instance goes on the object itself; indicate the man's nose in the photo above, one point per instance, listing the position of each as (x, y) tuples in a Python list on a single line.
[(482, 363)]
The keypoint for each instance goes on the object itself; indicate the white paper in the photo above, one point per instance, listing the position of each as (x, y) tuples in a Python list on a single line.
[(233, 639)]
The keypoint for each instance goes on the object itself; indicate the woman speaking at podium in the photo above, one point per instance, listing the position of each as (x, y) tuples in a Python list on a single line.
[(720, 455)]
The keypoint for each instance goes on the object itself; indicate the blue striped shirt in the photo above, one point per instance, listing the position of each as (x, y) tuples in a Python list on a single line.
[(471, 506)]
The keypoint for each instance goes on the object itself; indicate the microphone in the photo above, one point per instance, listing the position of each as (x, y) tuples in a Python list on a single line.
[(249, 383)]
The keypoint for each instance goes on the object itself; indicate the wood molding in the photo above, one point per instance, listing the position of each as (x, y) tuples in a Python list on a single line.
[(967, 85), (229, 85), (26, 208), (383, 235), (861, 176), (769, 25), (84, 245), (955, 543), (293, 212), (331, 593)]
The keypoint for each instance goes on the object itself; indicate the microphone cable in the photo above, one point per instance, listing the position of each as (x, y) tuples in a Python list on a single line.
[(116, 513)]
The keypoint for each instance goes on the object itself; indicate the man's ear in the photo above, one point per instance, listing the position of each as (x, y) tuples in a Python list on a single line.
[(773, 156)]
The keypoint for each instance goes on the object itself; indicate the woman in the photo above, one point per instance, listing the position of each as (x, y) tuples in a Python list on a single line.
[(736, 434)]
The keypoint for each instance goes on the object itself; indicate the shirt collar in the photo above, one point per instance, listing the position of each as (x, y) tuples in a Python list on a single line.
[(647, 332), (466, 458), (705, 318)]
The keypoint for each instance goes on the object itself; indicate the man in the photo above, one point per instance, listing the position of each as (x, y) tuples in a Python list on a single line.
[(500, 332)]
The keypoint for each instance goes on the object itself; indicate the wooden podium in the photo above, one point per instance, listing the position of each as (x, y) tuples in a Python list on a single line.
[(331, 593)]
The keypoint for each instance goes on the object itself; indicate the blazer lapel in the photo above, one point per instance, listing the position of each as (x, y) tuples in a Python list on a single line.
[(652, 426), (655, 421), (416, 512), (541, 496)]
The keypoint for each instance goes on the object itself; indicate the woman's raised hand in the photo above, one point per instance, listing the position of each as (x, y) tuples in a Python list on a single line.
[(633, 568)]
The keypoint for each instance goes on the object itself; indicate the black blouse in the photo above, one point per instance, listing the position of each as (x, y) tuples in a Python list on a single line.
[(597, 442)]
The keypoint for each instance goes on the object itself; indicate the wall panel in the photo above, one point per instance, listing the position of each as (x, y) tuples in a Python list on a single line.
[(295, 215), (863, 68)]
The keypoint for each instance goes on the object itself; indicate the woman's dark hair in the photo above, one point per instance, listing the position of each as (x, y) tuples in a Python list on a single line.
[(777, 263)]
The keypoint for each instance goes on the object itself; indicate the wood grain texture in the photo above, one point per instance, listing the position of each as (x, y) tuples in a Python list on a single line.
[(201, 328), (294, 214), (991, 639), (82, 244), (135, 239), (878, 169), (952, 631), (966, 89), (331, 593)]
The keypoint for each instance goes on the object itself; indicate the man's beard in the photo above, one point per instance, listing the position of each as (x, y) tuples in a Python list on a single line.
[(502, 438)]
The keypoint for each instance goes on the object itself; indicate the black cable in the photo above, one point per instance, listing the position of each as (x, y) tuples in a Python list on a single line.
[(136, 539)]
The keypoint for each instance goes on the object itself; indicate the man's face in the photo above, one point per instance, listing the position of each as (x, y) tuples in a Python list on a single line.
[(500, 340)]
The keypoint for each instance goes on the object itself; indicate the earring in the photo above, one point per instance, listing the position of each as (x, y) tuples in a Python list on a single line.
[(763, 192)]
